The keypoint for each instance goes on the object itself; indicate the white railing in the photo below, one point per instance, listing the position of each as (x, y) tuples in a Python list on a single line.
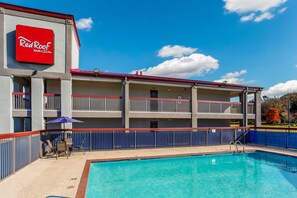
[(96, 103), (21, 100), (52, 101), (206, 106), (251, 108), (159, 104)]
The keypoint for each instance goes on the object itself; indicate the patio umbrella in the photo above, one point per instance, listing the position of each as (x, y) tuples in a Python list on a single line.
[(63, 119)]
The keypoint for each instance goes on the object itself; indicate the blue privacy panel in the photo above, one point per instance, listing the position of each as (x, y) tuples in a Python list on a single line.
[(182, 138), (145, 139), (227, 137), (165, 139), (124, 140), (6, 155), (199, 138), (102, 141), (281, 139), (22, 152), (214, 138)]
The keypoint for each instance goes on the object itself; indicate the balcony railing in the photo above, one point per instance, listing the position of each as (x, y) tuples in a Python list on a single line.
[(96, 103), (251, 109), (52, 101), (21, 100), (206, 106), (159, 104)]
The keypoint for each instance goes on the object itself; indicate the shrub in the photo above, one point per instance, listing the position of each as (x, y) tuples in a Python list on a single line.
[(272, 116)]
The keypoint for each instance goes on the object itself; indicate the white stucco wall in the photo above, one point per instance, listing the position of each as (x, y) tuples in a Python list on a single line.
[(138, 90), (96, 88), (74, 51)]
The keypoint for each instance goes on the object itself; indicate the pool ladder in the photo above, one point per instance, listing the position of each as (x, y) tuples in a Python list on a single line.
[(236, 143)]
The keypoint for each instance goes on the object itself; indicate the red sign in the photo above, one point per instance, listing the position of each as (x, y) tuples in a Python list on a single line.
[(34, 45)]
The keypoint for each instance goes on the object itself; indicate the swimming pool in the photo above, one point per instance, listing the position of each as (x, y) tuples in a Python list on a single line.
[(256, 174)]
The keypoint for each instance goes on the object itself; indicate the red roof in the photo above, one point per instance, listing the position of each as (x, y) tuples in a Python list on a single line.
[(77, 72), (41, 12)]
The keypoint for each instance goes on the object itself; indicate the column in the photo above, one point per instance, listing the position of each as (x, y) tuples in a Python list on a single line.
[(126, 107), (194, 107), (6, 89), (37, 90), (244, 108), (66, 100), (257, 109)]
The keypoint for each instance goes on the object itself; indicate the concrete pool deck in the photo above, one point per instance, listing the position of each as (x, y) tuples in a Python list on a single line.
[(51, 177)]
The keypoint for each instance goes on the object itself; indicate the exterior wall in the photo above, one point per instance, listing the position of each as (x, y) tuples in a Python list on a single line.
[(74, 51), (163, 91), (66, 108), (6, 120), (37, 103), (98, 123), (213, 123), (162, 123), (21, 84), (53, 86), (213, 95), (96, 88), (10, 23)]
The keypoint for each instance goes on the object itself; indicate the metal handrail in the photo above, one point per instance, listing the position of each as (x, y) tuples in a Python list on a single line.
[(236, 145)]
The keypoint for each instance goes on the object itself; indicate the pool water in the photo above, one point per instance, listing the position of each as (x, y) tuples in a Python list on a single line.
[(257, 174)]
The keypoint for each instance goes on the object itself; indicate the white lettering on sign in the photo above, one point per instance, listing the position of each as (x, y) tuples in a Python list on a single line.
[(37, 46)]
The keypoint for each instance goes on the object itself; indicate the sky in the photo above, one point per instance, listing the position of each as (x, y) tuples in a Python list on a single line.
[(249, 42)]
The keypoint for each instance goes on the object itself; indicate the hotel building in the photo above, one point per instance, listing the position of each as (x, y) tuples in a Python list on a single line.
[(40, 80)]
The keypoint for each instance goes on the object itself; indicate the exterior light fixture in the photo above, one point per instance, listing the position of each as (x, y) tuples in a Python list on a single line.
[(34, 73), (96, 72), (223, 83)]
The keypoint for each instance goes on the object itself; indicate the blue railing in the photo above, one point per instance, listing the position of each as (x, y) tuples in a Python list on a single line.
[(109, 139)]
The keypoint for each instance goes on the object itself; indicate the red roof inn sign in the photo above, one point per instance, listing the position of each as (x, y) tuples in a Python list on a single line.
[(34, 45)]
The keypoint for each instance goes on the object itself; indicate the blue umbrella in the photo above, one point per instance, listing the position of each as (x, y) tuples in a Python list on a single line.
[(63, 119)]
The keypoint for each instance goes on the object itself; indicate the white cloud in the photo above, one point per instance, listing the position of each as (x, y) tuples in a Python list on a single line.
[(281, 89), (282, 10), (84, 24), (233, 78), (234, 74), (254, 10), (175, 51), (184, 67), (249, 17), (265, 15)]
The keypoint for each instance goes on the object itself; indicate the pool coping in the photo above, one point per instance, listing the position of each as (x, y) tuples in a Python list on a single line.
[(82, 187)]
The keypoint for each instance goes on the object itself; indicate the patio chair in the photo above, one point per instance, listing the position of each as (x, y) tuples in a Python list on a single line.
[(69, 145), (61, 148), (50, 150), (80, 147)]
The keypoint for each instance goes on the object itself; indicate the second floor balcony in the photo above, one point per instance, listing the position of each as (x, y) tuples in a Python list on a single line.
[(225, 107), (159, 104), (21, 100), (52, 101), (96, 103)]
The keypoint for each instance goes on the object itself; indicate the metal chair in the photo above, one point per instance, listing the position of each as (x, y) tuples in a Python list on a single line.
[(50, 150), (80, 147), (68, 145), (61, 148)]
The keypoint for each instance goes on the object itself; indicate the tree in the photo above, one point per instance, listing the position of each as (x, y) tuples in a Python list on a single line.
[(272, 116)]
